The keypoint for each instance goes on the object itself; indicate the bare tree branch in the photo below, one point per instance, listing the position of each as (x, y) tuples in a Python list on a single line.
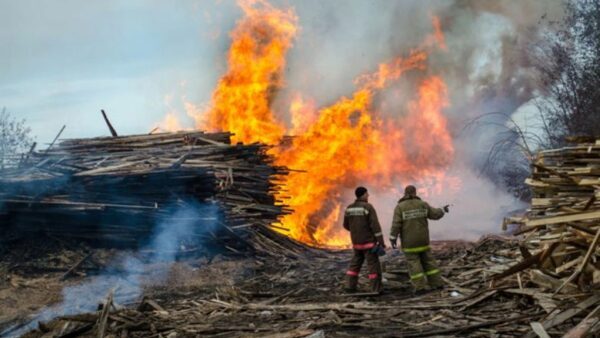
[(15, 139)]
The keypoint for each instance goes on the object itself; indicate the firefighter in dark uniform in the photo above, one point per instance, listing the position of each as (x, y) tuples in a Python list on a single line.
[(361, 220), (410, 222)]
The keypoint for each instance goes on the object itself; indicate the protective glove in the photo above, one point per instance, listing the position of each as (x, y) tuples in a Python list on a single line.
[(394, 242), (446, 208), (380, 242)]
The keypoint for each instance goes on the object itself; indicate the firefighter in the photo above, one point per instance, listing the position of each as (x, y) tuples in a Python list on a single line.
[(410, 222), (361, 220)]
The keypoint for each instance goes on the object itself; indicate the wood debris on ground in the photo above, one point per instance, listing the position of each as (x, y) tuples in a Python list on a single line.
[(291, 297), (541, 283)]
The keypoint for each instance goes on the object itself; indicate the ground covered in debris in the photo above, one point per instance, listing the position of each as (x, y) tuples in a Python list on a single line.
[(58, 295)]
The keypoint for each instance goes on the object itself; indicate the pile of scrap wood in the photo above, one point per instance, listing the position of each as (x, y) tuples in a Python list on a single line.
[(304, 297), (559, 236), (119, 189), (562, 228)]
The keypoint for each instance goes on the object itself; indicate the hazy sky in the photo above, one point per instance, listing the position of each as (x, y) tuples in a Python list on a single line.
[(63, 61)]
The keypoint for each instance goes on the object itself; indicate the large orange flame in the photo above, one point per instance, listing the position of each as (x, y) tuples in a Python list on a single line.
[(241, 102), (336, 151), (335, 147)]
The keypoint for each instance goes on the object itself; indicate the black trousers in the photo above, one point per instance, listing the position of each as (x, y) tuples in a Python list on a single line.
[(373, 267)]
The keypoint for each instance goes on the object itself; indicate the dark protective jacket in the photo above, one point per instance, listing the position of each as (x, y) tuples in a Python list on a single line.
[(410, 222), (361, 220)]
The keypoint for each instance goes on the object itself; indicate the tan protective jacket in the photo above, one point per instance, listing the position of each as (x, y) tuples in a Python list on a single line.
[(361, 220), (410, 222)]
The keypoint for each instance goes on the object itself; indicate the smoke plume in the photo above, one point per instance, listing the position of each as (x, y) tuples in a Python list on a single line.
[(125, 275)]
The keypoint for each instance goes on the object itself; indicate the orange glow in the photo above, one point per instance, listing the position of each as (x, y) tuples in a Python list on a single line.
[(337, 151), (337, 147), (303, 113), (170, 123), (430, 133)]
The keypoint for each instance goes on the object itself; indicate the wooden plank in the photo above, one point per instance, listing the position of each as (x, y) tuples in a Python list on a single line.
[(568, 314), (528, 262), (536, 183), (585, 327), (544, 299), (589, 181), (103, 170), (467, 328), (563, 218), (539, 330), (586, 259), (568, 265)]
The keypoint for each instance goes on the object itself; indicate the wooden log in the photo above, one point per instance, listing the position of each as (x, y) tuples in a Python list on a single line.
[(75, 266), (113, 132), (103, 318), (56, 138)]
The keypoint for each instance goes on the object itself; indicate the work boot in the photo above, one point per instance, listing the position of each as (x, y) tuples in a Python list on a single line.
[(351, 284), (419, 283), (435, 281), (376, 285)]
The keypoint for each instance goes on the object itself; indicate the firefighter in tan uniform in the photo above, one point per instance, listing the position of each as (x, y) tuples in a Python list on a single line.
[(361, 220), (410, 222)]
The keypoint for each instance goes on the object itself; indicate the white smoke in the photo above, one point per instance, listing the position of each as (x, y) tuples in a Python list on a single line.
[(124, 276)]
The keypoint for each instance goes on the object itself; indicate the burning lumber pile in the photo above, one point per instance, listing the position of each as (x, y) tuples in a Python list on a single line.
[(120, 190)]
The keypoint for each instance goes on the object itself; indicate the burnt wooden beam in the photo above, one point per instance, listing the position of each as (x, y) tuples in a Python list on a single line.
[(56, 138), (113, 132)]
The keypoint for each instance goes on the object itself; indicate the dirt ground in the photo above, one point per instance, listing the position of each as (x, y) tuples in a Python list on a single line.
[(33, 277), (272, 296)]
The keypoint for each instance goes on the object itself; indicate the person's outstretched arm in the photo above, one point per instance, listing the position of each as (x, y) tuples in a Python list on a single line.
[(434, 213)]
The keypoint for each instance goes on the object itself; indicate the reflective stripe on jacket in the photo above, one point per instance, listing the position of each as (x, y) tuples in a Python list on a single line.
[(361, 220), (410, 222)]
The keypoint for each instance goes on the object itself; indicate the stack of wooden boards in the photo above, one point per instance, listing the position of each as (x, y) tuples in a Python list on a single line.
[(118, 190), (560, 234)]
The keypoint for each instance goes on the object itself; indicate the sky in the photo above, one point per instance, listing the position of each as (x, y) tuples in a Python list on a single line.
[(63, 61)]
